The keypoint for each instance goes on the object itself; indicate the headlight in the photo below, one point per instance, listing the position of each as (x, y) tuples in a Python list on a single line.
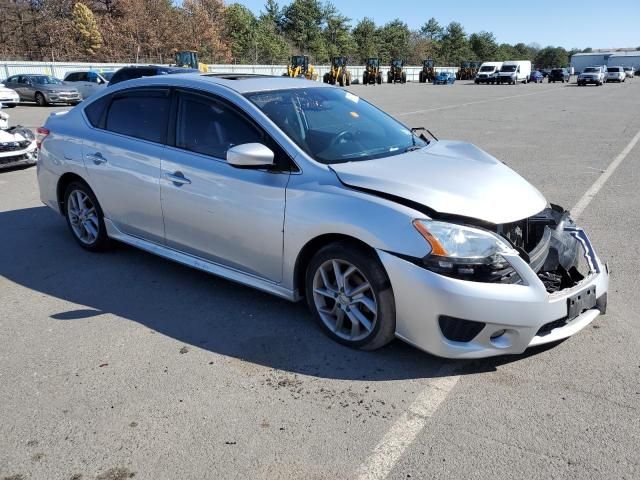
[(466, 253)]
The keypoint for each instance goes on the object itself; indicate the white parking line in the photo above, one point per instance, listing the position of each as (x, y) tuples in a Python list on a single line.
[(601, 180), (405, 430), (487, 100)]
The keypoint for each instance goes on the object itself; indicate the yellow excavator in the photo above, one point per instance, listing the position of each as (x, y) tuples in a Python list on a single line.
[(189, 59), (299, 68), (338, 73)]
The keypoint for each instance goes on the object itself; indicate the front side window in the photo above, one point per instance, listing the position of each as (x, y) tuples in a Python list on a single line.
[(140, 113), (211, 127), (334, 126)]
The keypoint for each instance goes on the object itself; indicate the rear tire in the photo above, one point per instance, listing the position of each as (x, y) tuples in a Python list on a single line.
[(365, 319), (85, 218)]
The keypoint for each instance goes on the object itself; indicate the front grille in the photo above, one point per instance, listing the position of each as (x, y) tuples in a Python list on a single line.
[(548, 327), (13, 146), (458, 329), (4, 161)]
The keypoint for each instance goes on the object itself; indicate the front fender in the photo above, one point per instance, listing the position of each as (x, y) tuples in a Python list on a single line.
[(316, 208)]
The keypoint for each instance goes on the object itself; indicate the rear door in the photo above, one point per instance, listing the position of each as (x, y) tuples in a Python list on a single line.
[(216, 211), (122, 154)]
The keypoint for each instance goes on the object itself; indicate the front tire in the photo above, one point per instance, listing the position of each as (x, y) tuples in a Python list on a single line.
[(85, 217), (350, 295), (40, 100)]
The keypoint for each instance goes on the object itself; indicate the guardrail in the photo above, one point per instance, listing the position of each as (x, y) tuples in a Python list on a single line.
[(59, 69)]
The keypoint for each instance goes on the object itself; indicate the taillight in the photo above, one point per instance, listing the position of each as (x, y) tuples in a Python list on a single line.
[(41, 134)]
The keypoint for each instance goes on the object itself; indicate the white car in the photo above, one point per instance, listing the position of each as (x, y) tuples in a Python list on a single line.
[(17, 145), (9, 98), (630, 72), (86, 82), (616, 74)]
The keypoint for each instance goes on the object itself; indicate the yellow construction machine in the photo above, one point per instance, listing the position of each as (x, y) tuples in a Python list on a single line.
[(372, 74), (338, 73), (189, 59), (299, 68)]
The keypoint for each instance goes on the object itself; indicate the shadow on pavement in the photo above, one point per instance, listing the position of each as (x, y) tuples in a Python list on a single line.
[(195, 308)]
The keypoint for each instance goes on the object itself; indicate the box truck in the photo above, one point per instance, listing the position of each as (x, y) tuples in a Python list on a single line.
[(514, 71)]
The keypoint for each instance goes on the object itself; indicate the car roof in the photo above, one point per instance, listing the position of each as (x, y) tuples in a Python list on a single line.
[(241, 83)]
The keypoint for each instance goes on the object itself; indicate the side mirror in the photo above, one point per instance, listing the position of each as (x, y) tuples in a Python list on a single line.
[(250, 155)]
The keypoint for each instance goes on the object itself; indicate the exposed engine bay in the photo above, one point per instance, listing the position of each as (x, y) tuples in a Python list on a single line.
[(553, 247)]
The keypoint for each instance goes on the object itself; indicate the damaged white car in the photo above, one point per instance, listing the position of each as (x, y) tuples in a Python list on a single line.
[(306, 191), (17, 145)]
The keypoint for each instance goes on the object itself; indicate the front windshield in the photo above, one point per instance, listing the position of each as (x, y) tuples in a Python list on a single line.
[(397, 63), (487, 69), (334, 126), (556, 70), (508, 68), (297, 61), (338, 61), (373, 62), (45, 80), (590, 70)]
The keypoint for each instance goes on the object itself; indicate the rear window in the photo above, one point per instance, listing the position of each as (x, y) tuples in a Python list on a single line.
[(141, 114), (614, 69)]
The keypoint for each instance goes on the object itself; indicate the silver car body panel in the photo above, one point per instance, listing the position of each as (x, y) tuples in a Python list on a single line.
[(251, 226), (449, 177)]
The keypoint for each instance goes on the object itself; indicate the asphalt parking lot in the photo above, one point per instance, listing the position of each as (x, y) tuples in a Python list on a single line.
[(123, 365)]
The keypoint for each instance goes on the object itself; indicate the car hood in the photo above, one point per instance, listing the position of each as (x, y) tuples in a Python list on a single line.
[(4, 90), (449, 177)]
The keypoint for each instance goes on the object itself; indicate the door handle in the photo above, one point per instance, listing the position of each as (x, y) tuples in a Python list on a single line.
[(177, 178), (96, 158)]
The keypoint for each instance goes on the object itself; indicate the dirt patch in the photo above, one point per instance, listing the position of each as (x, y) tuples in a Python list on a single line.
[(118, 473)]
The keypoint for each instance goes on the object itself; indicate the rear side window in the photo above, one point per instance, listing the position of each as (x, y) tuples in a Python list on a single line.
[(205, 125), (140, 113), (96, 110)]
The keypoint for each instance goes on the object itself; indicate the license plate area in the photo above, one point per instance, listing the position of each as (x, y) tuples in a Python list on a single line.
[(581, 302)]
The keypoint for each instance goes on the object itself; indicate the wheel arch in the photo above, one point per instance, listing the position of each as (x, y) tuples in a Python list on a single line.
[(312, 247), (61, 188)]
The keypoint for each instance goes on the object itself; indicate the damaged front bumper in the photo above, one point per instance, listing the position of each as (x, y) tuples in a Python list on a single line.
[(562, 288)]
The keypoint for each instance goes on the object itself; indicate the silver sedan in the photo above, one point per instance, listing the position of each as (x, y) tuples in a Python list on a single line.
[(309, 192)]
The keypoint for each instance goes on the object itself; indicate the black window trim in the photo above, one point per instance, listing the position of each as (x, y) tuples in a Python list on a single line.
[(173, 119), (123, 93)]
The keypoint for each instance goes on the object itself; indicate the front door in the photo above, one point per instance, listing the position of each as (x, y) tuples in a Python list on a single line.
[(213, 210)]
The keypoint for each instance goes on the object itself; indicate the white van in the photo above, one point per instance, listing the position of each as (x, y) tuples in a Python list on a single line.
[(514, 71), (488, 72)]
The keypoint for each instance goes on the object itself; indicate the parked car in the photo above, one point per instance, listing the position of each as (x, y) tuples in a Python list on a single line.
[(630, 72), (8, 97), (616, 74), (545, 72), (444, 78), (17, 145), (138, 71), (536, 76), (87, 82), (593, 75), (304, 190), (559, 75), (43, 89)]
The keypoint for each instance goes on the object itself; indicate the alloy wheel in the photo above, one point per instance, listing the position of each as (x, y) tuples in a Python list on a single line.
[(83, 217), (345, 300)]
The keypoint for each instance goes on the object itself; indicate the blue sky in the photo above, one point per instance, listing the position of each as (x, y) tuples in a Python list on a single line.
[(567, 23)]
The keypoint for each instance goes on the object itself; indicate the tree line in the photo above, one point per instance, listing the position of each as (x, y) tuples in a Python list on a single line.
[(152, 30)]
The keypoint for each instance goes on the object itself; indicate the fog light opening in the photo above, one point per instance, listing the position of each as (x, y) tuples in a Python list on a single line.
[(497, 334), (503, 338)]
